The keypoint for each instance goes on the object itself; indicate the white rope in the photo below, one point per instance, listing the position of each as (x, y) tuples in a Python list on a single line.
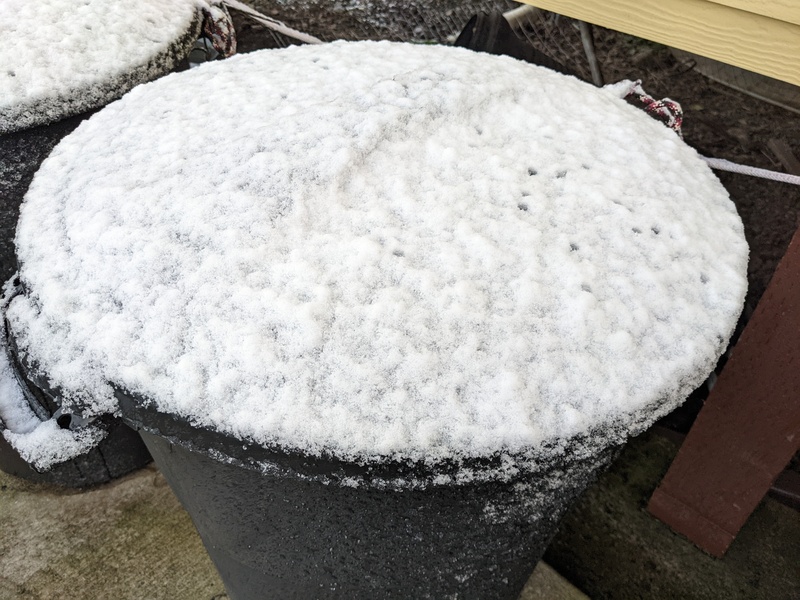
[(273, 24), (726, 165), (671, 110)]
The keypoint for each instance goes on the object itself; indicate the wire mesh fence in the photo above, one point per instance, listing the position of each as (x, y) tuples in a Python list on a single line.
[(424, 21), (410, 20)]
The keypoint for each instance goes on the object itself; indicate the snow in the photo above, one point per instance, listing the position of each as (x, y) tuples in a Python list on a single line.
[(15, 414), (48, 445), (373, 250), (42, 444), (64, 57)]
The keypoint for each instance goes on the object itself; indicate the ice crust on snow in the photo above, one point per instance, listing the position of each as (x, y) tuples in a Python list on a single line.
[(64, 57), (379, 250)]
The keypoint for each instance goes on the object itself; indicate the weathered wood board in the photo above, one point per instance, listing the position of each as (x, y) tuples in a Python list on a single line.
[(757, 35)]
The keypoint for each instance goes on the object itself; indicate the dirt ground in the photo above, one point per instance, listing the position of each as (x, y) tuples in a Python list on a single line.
[(611, 548)]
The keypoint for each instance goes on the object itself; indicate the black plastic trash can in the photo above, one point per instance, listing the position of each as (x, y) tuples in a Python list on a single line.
[(378, 325), (286, 525)]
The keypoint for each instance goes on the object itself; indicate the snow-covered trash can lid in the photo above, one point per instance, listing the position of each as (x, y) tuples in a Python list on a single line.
[(380, 251), (65, 57)]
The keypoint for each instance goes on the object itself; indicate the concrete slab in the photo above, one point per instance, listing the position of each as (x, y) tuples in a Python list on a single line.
[(127, 540), (546, 584)]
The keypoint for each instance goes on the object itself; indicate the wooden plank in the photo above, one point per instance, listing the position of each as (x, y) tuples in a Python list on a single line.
[(783, 10), (783, 152), (745, 39), (785, 489), (749, 427)]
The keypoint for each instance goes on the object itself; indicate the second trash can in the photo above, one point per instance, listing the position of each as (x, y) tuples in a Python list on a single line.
[(378, 325), (61, 62)]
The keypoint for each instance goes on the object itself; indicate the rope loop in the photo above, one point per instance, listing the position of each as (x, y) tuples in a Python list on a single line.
[(218, 27), (667, 110)]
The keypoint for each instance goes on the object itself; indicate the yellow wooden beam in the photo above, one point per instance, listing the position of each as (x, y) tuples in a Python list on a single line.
[(782, 10), (710, 28)]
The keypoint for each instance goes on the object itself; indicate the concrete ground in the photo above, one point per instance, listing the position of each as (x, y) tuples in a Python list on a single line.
[(131, 540), (127, 540)]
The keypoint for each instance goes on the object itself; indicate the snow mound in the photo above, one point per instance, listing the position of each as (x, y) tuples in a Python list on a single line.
[(379, 250)]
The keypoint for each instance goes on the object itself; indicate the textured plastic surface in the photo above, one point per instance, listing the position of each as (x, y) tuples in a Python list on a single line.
[(285, 535)]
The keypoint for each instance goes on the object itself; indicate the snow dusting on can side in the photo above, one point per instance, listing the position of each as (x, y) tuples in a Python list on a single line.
[(379, 250)]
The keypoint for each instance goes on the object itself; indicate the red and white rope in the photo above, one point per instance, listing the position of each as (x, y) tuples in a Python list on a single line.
[(665, 109), (218, 27), (671, 113)]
